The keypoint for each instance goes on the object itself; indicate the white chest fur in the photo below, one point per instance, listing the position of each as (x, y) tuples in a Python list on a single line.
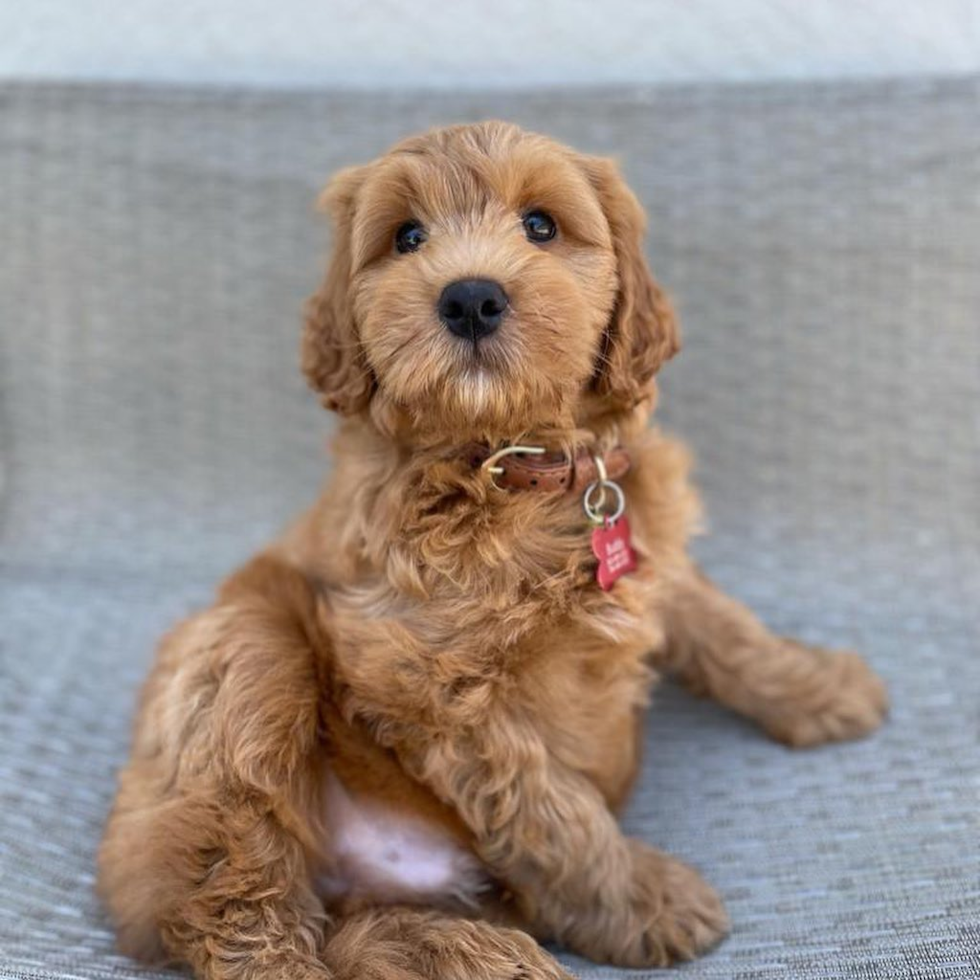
[(388, 856)]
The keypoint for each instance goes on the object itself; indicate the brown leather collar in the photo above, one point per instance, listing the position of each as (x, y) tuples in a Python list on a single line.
[(549, 472)]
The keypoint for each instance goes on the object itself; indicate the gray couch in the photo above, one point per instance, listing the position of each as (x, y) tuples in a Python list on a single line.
[(823, 245)]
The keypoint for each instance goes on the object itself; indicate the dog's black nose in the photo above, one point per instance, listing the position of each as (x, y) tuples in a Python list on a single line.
[(472, 308)]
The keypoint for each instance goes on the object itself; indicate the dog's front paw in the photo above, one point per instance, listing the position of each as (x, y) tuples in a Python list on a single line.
[(839, 698), (670, 913), (479, 951), (407, 944), (678, 915)]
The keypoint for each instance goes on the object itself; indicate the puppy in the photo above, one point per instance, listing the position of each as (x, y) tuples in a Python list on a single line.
[(395, 745)]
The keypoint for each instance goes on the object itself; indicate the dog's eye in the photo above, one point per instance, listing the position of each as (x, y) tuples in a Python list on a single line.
[(410, 236), (539, 226)]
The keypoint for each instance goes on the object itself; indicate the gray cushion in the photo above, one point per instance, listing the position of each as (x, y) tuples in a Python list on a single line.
[(823, 244)]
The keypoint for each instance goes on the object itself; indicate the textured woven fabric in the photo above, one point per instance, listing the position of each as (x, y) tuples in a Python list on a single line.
[(823, 245)]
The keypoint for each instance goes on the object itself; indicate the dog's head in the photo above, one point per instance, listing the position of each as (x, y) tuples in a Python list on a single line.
[(485, 282)]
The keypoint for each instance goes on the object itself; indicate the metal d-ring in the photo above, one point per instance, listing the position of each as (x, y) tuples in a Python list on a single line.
[(489, 465), (594, 511)]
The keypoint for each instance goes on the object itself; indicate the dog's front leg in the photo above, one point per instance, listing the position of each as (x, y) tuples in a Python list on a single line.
[(801, 695), (545, 831)]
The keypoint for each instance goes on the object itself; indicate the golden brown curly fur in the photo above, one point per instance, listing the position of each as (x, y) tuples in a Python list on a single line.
[(395, 745)]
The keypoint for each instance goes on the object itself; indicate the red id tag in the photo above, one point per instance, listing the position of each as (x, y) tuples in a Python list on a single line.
[(611, 545)]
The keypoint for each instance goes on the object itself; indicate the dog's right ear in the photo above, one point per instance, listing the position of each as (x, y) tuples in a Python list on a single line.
[(332, 358)]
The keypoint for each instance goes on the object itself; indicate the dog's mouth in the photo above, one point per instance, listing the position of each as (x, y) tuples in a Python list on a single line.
[(478, 353), (479, 364), (487, 354)]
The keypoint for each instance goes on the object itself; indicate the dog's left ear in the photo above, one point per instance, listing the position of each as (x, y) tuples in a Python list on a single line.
[(642, 331), (332, 358)]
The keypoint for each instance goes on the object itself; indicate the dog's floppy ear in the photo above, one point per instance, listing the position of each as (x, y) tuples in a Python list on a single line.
[(332, 358), (642, 331)]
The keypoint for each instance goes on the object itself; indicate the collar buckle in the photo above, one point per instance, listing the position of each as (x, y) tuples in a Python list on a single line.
[(492, 470)]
